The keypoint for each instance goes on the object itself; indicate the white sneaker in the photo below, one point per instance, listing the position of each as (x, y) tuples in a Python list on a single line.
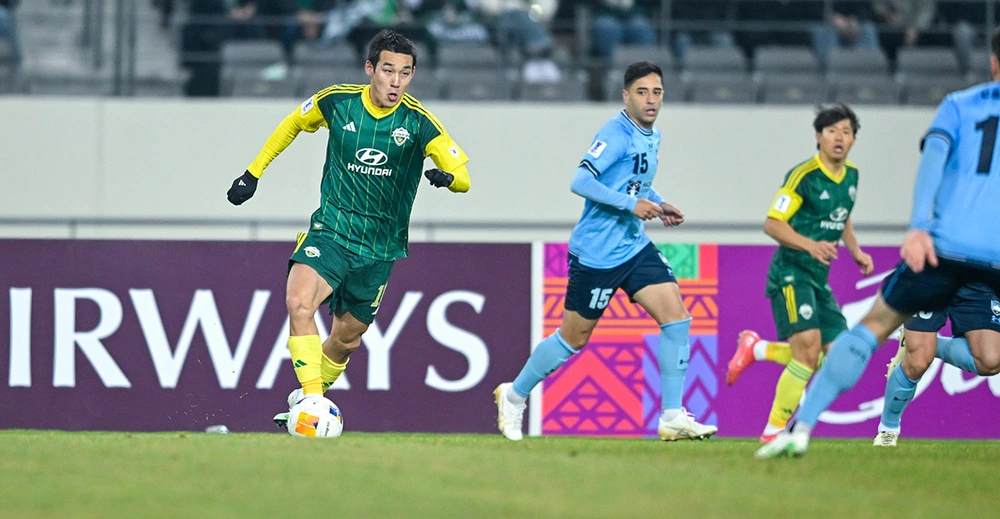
[(899, 355), (785, 444), (683, 427), (509, 416), (886, 439)]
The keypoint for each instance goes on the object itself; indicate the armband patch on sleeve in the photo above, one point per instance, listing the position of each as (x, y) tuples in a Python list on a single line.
[(597, 148), (307, 105)]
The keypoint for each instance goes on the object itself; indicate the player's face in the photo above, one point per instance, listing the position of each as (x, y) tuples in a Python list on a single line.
[(643, 99), (390, 77), (835, 141)]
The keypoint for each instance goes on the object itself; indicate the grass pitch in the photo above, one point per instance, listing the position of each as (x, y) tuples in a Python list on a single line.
[(67, 474)]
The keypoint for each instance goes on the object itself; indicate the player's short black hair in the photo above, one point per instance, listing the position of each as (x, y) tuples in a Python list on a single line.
[(392, 41), (833, 114), (640, 69), (995, 43)]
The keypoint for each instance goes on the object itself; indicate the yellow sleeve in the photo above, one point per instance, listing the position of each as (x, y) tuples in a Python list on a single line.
[(785, 204), (449, 157), (306, 117)]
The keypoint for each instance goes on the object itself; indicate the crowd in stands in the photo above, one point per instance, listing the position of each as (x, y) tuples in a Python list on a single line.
[(544, 39)]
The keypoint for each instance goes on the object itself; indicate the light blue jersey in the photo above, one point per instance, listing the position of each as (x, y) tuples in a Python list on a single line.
[(965, 219), (623, 157)]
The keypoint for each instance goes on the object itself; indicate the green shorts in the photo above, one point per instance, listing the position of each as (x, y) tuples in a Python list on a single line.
[(801, 307), (358, 283)]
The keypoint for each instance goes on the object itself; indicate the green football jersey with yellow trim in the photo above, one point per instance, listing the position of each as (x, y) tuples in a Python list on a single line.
[(374, 163), (817, 204)]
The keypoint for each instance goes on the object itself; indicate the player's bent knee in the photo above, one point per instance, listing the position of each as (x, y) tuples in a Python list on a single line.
[(299, 307), (988, 365)]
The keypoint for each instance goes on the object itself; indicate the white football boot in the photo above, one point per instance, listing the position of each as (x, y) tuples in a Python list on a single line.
[(509, 416), (793, 443), (683, 427), (886, 439)]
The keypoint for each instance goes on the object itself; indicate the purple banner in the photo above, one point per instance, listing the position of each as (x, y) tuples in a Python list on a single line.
[(949, 402), (157, 335)]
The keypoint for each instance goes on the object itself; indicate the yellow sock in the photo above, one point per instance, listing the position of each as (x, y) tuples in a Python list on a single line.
[(788, 393), (330, 371), (307, 352), (779, 352)]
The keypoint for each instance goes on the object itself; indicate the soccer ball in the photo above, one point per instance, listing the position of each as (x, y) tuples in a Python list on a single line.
[(315, 417)]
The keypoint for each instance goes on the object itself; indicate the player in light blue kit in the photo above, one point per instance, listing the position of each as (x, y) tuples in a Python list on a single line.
[(954, 239), (609, 250)]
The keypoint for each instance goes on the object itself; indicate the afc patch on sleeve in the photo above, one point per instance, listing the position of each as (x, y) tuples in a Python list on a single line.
[(782, 202), (454, 151), (307, 105), (597, 149)]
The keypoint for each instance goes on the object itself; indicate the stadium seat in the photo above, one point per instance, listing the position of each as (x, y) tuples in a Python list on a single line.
[(723, 60), (862, 89), (721, 87), (249, 83), (337, 55), (792, 88), (930, 91), (625, 55), (465, 56), (260, 53), (857, 62), (781, 59), (477, 85), (313, 79), (928, 61), (570, 89)]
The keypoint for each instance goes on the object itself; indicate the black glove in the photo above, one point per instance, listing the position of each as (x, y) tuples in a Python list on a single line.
[(439, 178), (242, 189)]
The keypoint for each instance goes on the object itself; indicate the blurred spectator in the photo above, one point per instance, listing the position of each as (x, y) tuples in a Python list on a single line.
[(776, 22), (713, 13), (968, 29), (907, 22), (454, 21), (519, 24), (617, 22), (370, 16), (201, 44), (850, 25), (8, 29)]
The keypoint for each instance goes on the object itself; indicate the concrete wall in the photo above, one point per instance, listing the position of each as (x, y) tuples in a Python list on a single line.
[(108, 164)]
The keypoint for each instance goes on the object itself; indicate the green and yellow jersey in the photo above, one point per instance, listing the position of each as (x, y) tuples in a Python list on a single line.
[(816, 203), (374, 163)]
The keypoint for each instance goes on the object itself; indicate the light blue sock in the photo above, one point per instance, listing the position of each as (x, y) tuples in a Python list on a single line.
[(957, 353), (899, 390), (673, 353), (844, 365), (551, 353)]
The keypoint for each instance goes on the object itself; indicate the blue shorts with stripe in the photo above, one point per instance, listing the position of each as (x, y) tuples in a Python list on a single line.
[(590, 290)]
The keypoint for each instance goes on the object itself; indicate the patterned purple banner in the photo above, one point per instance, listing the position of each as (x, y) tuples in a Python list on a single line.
[(949, 402), (147, 335)]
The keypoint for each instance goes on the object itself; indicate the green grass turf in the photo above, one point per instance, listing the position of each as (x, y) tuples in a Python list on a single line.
[(99, 474)]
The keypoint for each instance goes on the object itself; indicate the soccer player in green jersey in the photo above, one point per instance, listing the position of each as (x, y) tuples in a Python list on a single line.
[(809, 216), (378, 138)]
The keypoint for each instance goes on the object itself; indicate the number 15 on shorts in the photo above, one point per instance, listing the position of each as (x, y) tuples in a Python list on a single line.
[(600, 297)]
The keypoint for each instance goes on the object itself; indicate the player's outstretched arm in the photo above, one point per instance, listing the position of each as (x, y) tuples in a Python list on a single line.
[(782, 232), (304, 118)]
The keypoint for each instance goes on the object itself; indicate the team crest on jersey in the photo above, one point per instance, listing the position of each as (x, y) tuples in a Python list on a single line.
[(633, 188), (806, 312), (995, 306), (400, 136), (312, 252), (852, 192), (925, 315)]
